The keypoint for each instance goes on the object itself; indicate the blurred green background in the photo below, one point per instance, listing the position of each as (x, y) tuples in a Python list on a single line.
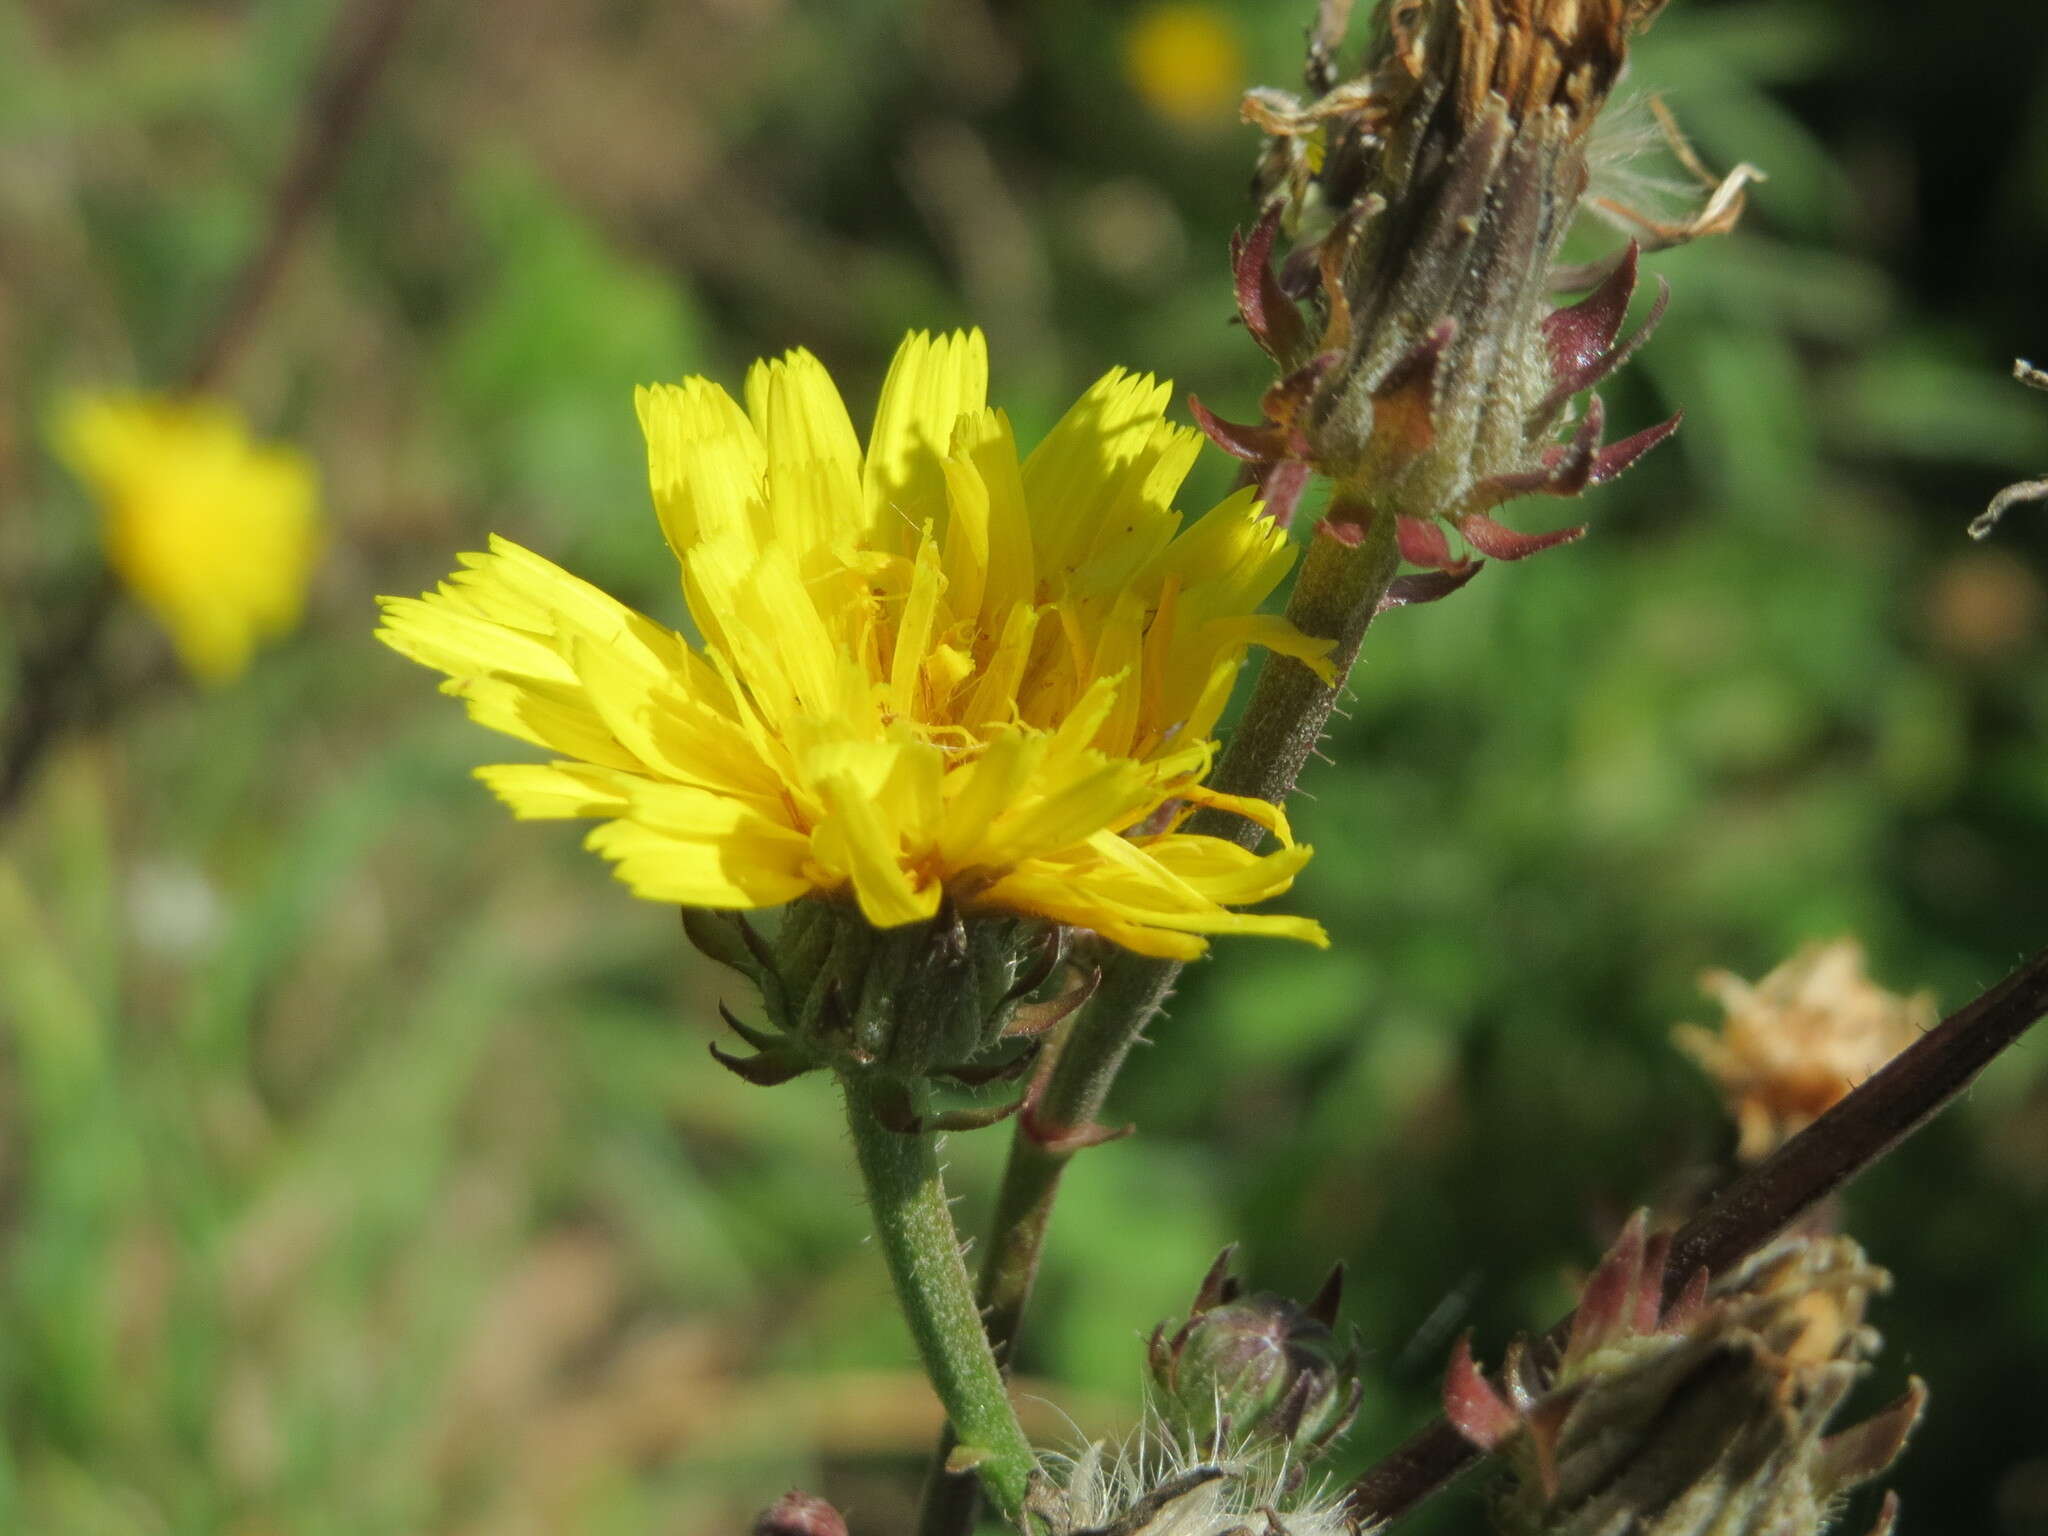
[(361, 1167)]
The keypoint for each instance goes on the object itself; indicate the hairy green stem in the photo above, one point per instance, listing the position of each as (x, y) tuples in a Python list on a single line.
[(1336, 596), (915, 1229)]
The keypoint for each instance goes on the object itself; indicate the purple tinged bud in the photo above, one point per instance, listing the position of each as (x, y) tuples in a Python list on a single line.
[(1426, 199), (798, 1513)]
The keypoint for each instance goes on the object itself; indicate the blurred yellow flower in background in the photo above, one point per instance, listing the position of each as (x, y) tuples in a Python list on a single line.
[(214, 533), (927, 670), (1186, 63)]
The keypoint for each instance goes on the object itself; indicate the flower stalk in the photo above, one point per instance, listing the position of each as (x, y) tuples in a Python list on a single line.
[(914, 1228), (1426, 377), (1340, 589)]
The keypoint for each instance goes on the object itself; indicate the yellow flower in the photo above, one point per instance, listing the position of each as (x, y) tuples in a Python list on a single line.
[(1184, 60), (216, 535), (925, 670)]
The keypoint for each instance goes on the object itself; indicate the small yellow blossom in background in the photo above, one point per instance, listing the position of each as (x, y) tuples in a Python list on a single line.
[(927, 669), (1795, 1043), (1185, 62), (214, 533)]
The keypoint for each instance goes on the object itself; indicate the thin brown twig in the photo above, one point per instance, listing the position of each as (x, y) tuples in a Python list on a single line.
[(1896, 1101), (43, 699), (355, 54)]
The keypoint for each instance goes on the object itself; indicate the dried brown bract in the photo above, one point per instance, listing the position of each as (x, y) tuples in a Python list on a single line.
[(1427, 198)]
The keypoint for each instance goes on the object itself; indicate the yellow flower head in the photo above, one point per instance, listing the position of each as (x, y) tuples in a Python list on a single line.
[(213, 533), (927, 669), (1184, 60)]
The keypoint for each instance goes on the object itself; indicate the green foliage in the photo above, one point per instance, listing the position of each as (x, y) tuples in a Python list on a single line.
[(361, 1168)]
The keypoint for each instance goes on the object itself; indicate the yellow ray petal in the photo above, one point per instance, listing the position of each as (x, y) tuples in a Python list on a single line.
[(861, 836), (449, 638), (982, 791), (741, 867), (1230, 559), (932, 383), (1262, 812), (994, 700), (545, 791), (1062, 898), (705, 463), (914, 634), (1108, 793), (634, 708), (814, 463), (555, 716), (986, 443), (966, 555), (1077, 472)]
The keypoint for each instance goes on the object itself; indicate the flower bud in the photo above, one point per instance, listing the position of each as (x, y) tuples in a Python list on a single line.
[(957, 996), (1257, 1368), (1423, 368), (798, 1513), (1704, 1418)]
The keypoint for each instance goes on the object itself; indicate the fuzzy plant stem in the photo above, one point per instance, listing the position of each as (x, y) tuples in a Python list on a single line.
[(914, 1227), (1887, 1108), (1336, 596)]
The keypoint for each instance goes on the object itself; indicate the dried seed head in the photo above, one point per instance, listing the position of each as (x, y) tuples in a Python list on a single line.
[(1708, 1415), (1427, 200), (1795, 1043)]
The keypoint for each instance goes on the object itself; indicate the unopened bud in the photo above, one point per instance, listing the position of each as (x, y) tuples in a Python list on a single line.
[(1260, 1368), (798, 1513)]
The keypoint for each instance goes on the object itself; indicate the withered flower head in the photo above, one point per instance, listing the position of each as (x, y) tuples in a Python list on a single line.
[(1795, 1043), (1423, 368), (1705, 1416)]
